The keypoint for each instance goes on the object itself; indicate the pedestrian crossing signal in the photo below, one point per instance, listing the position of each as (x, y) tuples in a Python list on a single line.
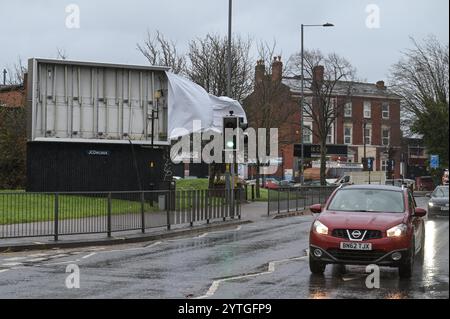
[(368, 164)]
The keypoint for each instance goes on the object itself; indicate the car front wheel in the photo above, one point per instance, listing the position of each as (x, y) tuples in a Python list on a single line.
[(316, 267), (405, 270)]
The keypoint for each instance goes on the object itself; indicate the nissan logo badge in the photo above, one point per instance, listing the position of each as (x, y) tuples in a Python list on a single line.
[(356, 234)]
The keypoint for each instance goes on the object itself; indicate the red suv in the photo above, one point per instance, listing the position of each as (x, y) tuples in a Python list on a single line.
[(367, 224)]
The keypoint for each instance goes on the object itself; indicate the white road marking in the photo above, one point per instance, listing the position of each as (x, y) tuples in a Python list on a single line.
[(4, 270), (88, 256), (34, 260), (14, 258), (271, 268), (11, 264)]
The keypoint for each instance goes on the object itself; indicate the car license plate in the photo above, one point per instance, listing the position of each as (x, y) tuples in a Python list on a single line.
[(356, 246), (444, 208)]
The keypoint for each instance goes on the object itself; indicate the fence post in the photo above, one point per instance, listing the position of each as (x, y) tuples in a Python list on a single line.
[(288, 200), (191, 206), (56, 211), (208, 205), (142, 213), (108, 217), (268, 202), (168, 210), (253, 193), (239, 207), (278, 198)]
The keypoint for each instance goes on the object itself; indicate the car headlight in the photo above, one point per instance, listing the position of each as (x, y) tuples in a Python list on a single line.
[(320, 228), (431, 204), (397, 231)]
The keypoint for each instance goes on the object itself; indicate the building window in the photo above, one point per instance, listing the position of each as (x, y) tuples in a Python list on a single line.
[(368, 135), (386, 113), (367, 110), (348, 109), (386, 135), (348, 135), (307, 133), (330, 136), (307, 107), (384, 165)]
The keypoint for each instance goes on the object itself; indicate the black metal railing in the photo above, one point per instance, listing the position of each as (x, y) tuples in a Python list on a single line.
[(294, 199), (58, 214)]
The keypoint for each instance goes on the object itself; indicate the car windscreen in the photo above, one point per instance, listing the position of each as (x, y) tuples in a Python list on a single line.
[(441, 192), (368, 200)]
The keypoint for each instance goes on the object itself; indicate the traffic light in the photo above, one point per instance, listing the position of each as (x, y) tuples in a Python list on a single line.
[(368, 164), (390, 165), (229, 140)]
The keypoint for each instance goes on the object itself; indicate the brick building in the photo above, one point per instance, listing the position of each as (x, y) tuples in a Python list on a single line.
[(13, 95), (371, 105)]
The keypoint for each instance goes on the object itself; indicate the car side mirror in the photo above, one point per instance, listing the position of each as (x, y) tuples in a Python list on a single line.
[(428, 195), (420, 212), (316, 209)]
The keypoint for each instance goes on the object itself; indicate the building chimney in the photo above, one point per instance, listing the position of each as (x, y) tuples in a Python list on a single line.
[(277, 69), (318, 74), (260, 72), (380, 85)]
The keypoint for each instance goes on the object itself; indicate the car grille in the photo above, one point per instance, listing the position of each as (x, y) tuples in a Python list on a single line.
[(371, 234), (349, 255)]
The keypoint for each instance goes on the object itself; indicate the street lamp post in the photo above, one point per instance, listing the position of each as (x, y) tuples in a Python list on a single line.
[(230, 13), (302, 158)]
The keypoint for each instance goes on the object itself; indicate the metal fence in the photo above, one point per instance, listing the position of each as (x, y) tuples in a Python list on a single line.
[(296, 198), (57, 214)]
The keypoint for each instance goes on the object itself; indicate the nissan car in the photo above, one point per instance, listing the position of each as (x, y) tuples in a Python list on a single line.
[(368, 224)]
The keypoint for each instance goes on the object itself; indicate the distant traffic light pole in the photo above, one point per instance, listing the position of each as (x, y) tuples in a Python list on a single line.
[(230, 185)]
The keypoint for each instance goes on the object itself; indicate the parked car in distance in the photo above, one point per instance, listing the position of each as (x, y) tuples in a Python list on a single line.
[(438, 204), (271, 183), (315, 183), (425, 183), (367, 224)]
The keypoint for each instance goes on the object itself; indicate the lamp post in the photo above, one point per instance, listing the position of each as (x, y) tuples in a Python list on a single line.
[(364, 137), (302, 158), (230, 13)]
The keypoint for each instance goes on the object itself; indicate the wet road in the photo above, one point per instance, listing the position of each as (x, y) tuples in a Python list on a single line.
[(264, 260)]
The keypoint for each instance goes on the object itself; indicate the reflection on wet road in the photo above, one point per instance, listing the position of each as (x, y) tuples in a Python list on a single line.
[(260, 260)]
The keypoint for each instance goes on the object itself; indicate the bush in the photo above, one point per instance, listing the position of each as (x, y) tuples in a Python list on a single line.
[(12, 148)]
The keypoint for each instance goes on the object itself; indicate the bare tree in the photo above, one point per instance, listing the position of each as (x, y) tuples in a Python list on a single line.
[(329, 79), (421, 78), (15, 73), (61, 54), (208, 65), (160, 51), (270, 105)]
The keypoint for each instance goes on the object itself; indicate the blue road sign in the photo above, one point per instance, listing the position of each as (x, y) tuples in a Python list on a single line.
[(434, 161)]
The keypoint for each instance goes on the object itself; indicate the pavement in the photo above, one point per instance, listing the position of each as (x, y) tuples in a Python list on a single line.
[(250, 212)]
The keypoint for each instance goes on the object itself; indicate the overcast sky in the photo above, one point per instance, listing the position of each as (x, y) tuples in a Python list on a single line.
[(109, 30)]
